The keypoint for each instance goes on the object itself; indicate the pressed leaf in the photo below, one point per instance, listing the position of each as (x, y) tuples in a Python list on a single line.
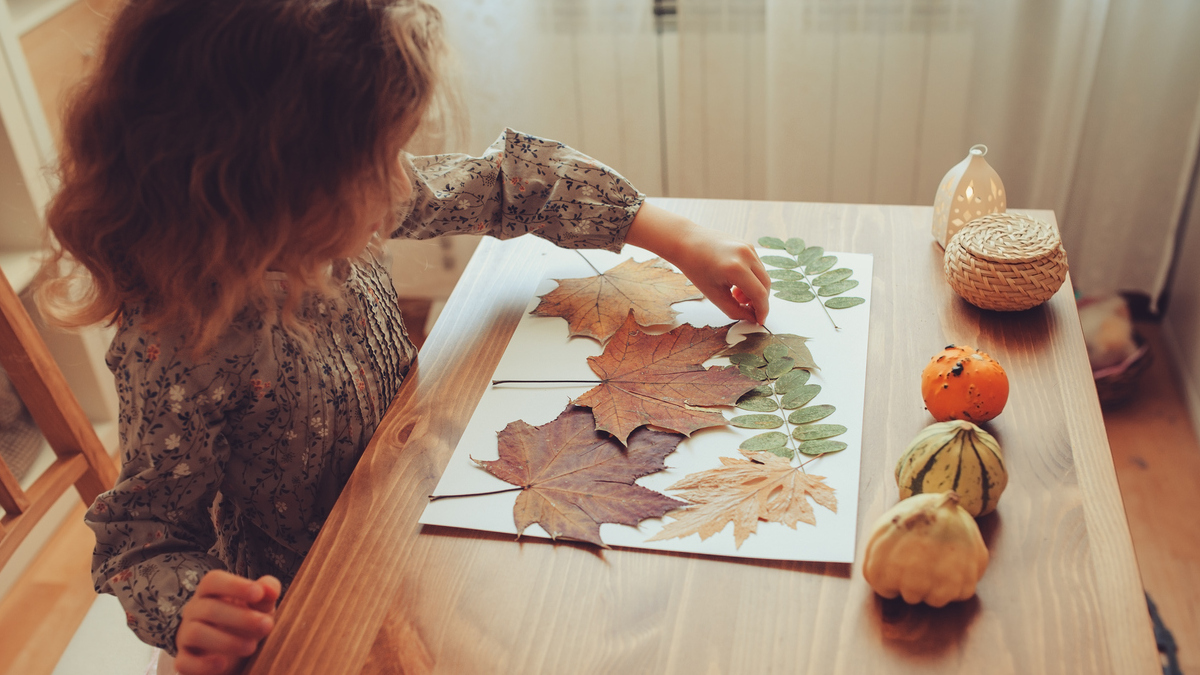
[(791, 380), (658, 379), (785, 275), (832, 276), (780, 366), (767, 441), (799, 396), (771, 242), (813, 432), (779, 261), (762, 390), (797, 286), (792, 295), (811, 414), (757, 343), (574, 477), (744, 491), (820, 265), (597, 306), (809, 256), (745, 359), (795, 246), (837, 287), (757, 421), (821, 447), (757, 374), (758, 404), (843, 302), (775, 351)]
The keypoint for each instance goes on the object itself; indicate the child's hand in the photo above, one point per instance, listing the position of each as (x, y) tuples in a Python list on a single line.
[(726, 270), (224, 622)]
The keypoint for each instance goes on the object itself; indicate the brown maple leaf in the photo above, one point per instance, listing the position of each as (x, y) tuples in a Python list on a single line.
[(658, 379), (597, 306), (745, 491), (573, 477)]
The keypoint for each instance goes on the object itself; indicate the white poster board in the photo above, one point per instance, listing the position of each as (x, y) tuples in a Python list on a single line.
[(541, 349)]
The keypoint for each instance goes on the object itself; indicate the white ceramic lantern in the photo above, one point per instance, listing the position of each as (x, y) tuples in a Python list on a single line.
[(969, 190)]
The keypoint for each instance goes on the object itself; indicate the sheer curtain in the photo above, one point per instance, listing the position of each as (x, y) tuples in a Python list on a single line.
[(1089, 107)]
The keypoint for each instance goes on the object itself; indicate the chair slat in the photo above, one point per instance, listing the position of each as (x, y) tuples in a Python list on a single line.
[(42, 494), (12, 497)]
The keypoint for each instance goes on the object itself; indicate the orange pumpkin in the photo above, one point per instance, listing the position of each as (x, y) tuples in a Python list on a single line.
[(963, 383)]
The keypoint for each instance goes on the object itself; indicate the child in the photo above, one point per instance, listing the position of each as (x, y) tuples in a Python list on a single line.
[(227, 173)]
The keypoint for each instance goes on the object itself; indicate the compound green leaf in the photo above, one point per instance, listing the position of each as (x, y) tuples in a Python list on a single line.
[(798, 397), (792, 295), (791, 380), (753, 373), (771, 242), (843, 302), (811, 414), (821, 447), (813, 432), (767, 441), (757, 343), (795, 246), (837, 287), (748, 359), (809, 256), (758, 404), (757, 421), (820, 265), (832, 276), (785, 275), (779, 261)]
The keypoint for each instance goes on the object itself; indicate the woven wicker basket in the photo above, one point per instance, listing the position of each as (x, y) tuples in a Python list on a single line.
[(1006, 261)]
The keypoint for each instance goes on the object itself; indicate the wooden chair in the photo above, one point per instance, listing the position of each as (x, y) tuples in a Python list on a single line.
[(81, 458)]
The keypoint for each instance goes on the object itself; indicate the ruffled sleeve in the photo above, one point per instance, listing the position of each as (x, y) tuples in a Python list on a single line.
[(522, 184), (154, 529)]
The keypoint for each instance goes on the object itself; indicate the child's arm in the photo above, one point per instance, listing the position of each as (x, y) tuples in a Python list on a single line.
[(725, 269)]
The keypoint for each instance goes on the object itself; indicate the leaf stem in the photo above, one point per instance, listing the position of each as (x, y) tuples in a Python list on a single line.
[(589, 262), (808, 281), (495, 382), (434, 498)]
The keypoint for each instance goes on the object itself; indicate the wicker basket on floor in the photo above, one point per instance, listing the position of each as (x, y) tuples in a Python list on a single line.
[(1116, 385), (1006, 261)]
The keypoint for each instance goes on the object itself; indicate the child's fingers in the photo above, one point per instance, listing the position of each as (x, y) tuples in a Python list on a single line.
[(200, 637), (232, 618), (188, 663), (756, 293), (219, 583), (271, 589), (725, 301)]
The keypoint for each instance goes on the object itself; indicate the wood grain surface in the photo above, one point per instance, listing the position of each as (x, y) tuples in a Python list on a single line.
[(381, 594)]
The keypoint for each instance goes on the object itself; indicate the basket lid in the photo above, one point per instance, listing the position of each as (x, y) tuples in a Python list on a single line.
[(1009, 238)]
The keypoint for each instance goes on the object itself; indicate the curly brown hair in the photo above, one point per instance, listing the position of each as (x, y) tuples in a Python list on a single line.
[(217, 139)]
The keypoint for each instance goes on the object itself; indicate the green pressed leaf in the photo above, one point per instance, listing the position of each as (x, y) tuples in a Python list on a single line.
[(779, 261), (758, 404), (837, 287), (795, 246), (756, 343), (790, 380), (796, 398), (783, 451), (811, 414), (775, 351), (809, 256), (753, 373), (820, 265), (813, 432), (789, 285), (832, 276), (780, 366), (757, 421), (771, 242), (795, 296), (843, 302), (752, 360), (785, 275), (763, 390), (821, 447), (767, 441)]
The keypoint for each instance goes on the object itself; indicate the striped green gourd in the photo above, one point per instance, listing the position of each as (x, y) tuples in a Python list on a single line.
[(954, 455)]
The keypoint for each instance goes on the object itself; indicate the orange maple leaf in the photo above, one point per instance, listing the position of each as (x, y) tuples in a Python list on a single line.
[(597, 306), (745, 491), (658, 379), (573, 477)]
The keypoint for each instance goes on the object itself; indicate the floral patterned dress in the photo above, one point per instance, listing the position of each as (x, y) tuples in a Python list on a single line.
[(234, 460)]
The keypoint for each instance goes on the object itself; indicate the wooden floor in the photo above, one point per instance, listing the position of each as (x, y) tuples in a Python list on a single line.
[(1155, 451)]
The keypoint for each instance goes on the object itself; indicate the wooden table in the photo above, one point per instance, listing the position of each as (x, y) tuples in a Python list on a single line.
[(381, 594)]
